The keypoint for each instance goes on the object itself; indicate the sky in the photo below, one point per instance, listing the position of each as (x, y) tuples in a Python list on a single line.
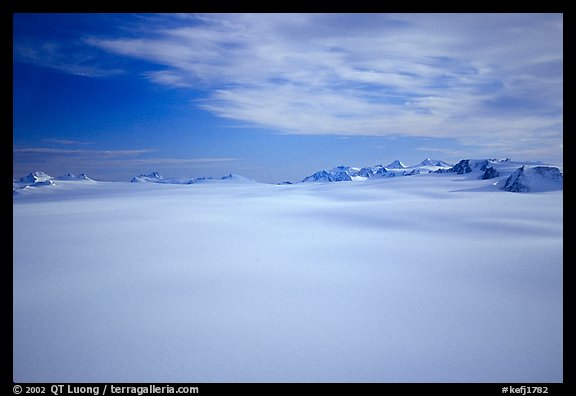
[(276, 97)]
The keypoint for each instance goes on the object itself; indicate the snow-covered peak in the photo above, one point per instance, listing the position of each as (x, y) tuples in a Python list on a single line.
[(382, 172), (317, 176), (427, 162), (71, 176), (534, 179), (365, 172), (462, 167), (153, 177), (396, 164), (335, 175), (474, 167), (431, 162), (35, 177)]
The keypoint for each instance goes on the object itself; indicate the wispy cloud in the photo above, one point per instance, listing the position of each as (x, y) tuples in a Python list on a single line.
[(68, 57), (121, 154), (68, 142), (87, 153), (483, 79)]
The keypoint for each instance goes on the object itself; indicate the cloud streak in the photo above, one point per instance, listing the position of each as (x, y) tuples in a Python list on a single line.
[(68, 142)]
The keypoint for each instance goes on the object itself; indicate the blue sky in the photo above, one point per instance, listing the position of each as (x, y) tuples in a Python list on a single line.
[(277, 97)]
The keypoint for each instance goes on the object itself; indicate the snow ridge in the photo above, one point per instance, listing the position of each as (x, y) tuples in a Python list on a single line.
[(155, 177), (70, 176)]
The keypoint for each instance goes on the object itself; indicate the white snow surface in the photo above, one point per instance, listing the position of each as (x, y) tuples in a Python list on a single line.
[(427, 278)]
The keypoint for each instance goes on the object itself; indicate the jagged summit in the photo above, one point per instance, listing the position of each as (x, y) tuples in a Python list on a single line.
[(35, 177), (71, 176), (431, 162), (396, 164), (329, 176), (534, 179), (151, 177)]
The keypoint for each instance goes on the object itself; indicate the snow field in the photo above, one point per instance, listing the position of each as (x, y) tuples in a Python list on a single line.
[(382, 281)]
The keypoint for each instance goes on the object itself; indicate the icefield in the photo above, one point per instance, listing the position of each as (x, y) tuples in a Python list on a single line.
[(427, 278)]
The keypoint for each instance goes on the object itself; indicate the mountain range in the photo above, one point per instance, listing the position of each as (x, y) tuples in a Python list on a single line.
[(393, 169), (508, 175)]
